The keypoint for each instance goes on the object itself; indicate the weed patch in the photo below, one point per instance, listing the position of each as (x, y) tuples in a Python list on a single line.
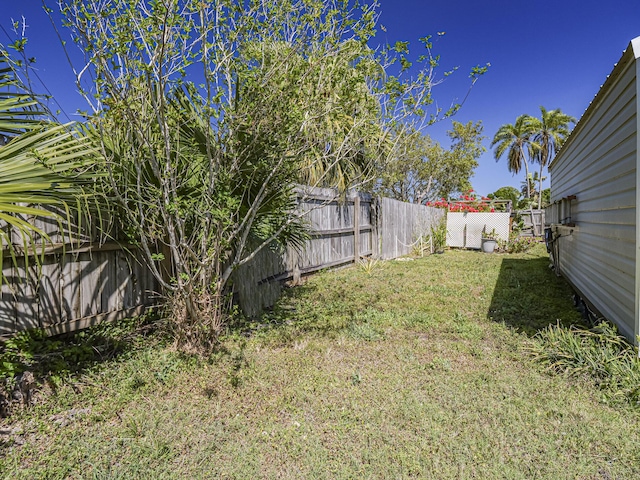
[(599, 355), (52, 362)]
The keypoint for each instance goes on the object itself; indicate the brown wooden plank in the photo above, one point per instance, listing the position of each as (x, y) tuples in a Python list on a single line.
[(24, 286), (7, 302), (91, 283), (70, 300), (122, 276), (50, 292)]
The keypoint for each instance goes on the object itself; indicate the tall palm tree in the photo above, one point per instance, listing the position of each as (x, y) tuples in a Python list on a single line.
[(517, 141), (550, 132), (42, 163)]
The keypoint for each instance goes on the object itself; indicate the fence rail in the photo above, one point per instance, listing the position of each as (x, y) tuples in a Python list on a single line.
[(85, 281)]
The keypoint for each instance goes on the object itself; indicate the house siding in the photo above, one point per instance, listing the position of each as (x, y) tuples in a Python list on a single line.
[(597, 250)]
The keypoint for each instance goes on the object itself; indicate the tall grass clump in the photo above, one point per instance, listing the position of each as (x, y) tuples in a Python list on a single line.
[(598, 354)]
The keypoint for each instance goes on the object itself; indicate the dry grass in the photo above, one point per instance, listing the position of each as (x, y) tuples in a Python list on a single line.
[(413, 370)]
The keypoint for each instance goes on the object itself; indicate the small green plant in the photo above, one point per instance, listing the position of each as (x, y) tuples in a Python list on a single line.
[(158, 257), (369, 265), (491, 235), (439, 235), (365, 331), (440, 364), (599, 354), (17, 354)]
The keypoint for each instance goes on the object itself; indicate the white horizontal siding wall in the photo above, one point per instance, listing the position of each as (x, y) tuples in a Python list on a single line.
[(598, 165)]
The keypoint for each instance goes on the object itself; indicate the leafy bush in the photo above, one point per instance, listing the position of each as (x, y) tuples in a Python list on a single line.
[(207, 127), (516, 243), (599, 354)]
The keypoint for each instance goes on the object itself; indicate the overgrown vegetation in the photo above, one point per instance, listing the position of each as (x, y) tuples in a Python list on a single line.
[(60, 356), (599, 354), (517, 243), (416, 369), (439, 235), (52, 361), (208, 113)]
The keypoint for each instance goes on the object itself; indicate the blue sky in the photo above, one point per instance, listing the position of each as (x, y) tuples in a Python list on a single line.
[(554, 53), (542, 52)]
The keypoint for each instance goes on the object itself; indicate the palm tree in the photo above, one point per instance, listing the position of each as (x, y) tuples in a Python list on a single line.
[(517, 141), (42, 163), (550, 132), (532, 180)]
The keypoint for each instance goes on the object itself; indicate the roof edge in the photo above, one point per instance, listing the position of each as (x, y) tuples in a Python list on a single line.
[(635, 45), (632, 52)]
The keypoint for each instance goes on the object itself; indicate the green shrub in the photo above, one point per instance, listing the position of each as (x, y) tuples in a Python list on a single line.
[(598, 354), (18, 352), (516, 243), (439, 235)]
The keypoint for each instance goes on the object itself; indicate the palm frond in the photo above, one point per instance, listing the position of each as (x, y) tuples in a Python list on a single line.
[(44, 163), (19, 110)]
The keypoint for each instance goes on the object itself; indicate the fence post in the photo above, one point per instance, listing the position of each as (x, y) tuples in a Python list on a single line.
[(376, 221), (356, 228), (374, 215), (296, 267)]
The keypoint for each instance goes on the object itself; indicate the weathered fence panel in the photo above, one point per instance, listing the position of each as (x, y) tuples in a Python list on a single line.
[(534, 221), (342, 230), (81, 281), (401, 224)]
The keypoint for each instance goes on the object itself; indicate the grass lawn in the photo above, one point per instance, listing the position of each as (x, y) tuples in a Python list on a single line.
[(415, 369)]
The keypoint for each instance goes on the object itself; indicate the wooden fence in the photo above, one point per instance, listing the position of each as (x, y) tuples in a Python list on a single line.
[(401, 225), (344, 231), (533, 222), (85, 281), (82, 281)]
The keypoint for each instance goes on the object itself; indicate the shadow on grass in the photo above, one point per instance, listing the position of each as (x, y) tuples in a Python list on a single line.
[(296, 312), (51, 358), (528, 296)]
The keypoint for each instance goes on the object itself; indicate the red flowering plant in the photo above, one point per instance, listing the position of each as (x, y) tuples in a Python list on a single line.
[(469, 202)]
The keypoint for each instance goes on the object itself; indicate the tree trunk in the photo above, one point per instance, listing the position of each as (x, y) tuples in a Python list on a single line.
[(540, 188), (526, 170)]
